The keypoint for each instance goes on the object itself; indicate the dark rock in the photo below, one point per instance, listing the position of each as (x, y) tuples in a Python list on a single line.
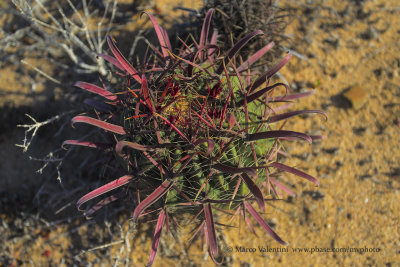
[(370, 34), (359, 146), (338, 164), (363, 161), (316, 195), (359, 131), (332, 151), (365, 177), (378, 72)]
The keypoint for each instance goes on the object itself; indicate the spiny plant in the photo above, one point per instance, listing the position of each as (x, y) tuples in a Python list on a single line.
[(192, 132)]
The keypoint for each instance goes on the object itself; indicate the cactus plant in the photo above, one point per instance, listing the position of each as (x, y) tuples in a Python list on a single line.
[(192, 131)]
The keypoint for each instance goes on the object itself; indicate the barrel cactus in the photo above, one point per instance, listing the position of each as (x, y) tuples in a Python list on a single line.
[(192, 131)]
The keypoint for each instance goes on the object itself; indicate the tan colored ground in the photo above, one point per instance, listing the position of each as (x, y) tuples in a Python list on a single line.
[(357, 202)]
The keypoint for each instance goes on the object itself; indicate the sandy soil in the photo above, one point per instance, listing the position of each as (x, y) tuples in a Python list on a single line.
[(341, 45)]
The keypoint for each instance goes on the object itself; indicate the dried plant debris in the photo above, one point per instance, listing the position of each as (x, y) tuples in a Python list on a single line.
[(233, 19)]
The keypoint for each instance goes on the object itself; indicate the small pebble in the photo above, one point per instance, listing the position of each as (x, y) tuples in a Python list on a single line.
[(357, 96), (370, 33)]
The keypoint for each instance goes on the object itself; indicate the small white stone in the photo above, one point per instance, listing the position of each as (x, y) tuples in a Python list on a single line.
[(366, 200)]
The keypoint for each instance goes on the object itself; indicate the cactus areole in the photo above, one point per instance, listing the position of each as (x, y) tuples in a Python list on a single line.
[(193, 131)]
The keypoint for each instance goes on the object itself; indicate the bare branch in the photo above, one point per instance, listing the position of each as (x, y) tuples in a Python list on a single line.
[(71, 36), (42, 72), (35, 127)]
